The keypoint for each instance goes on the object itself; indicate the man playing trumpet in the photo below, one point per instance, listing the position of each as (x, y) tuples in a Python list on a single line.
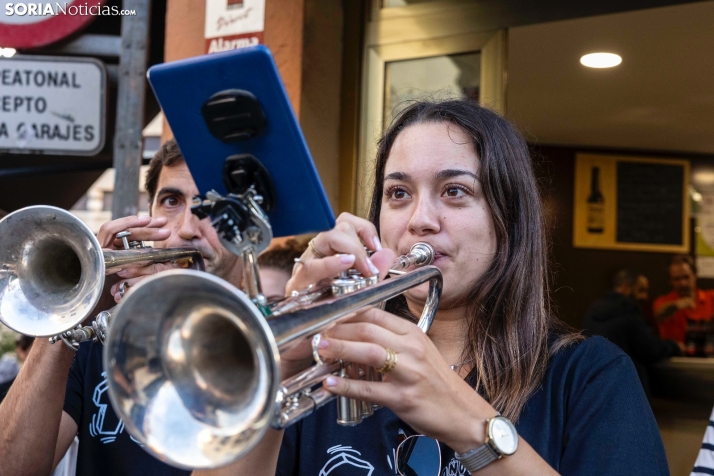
[(40, 418)]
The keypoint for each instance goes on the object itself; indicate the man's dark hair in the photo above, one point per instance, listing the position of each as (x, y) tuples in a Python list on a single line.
[(168, 155), (24, 342), (684, 259), (625, 277), (282, 257)]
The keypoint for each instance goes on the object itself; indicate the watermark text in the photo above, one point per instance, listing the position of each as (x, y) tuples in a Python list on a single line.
[(57, 8)]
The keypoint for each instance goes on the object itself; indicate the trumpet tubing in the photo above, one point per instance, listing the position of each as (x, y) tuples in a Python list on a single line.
[(52, 269), (196, 375)]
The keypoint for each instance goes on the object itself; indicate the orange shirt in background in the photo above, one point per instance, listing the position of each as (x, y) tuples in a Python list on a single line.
[(675, 327)]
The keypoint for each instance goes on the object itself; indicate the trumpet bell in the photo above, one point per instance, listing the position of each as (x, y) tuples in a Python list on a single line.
[(188, 353), (51, 271)]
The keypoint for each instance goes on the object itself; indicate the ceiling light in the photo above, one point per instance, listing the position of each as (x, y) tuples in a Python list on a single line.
[(601, 60)]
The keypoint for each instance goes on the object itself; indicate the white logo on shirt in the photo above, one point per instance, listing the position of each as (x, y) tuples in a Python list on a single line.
[(454, 468), (97, 427), (343, 457)]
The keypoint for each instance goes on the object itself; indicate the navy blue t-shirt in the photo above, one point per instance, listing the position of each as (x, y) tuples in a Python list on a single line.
[(589, 417), (105, 447)]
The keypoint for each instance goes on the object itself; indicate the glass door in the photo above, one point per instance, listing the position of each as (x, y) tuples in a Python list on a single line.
[(437, 78), (422, 50)]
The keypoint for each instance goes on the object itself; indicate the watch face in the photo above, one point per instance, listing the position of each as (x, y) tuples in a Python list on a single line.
[(503, 435)]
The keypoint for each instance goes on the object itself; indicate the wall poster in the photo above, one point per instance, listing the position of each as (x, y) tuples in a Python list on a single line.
[(629, 203)]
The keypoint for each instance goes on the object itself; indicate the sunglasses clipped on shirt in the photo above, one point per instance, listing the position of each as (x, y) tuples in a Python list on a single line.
[(418, 455)]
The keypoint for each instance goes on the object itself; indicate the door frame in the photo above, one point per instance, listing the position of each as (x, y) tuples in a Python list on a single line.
[(422, 30)]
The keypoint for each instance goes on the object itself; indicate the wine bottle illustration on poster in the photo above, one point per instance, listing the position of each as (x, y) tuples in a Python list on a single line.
[(596, 204)]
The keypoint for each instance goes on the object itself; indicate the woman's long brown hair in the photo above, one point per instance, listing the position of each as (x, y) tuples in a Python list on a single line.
[(512, 330)]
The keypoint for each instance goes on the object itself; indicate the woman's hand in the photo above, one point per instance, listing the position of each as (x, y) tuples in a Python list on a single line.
[(339, 249), (421, 388)]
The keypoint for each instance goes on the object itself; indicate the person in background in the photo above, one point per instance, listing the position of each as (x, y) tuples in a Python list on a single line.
[(618, 317), (45, 409), (276, 268), (10, 364), (686, 303), (642, 295), (704, 464)]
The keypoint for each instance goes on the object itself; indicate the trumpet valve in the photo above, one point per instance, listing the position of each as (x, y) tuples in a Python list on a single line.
[(350, 281)]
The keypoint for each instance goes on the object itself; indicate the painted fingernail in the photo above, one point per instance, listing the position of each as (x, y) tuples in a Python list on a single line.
[(377, 243), (323, 344), (371, 266), (347, 259), (330, 382)]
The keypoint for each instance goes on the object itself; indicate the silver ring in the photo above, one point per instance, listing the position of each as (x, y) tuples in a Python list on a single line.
[(295, 266), (122, 288), (315, 354)]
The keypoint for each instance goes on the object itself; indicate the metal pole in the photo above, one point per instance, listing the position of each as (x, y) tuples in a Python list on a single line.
[(130, 107)]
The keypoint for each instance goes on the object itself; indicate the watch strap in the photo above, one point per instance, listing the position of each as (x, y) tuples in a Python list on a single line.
[(473, 460)]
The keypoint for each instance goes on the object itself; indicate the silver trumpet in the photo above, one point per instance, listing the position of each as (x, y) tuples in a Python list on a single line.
[(52, 271), (196, 375)]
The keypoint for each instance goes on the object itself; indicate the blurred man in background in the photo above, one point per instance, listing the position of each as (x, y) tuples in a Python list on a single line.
[(276, 266), (11, 364), (685, 304), (618, 318)]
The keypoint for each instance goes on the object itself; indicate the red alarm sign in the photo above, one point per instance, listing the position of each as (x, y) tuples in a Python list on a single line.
[(33, 24)]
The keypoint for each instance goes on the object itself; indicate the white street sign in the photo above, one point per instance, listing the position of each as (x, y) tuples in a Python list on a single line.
[(52, 105)]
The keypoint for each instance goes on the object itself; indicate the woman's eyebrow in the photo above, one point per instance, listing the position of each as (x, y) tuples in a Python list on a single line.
[(451, 173), (397, 176)]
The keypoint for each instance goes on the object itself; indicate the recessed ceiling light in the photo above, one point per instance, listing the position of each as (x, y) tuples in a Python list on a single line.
[(601, 60)]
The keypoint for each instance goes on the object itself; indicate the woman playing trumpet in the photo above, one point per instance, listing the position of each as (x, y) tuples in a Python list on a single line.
[(459, 177)]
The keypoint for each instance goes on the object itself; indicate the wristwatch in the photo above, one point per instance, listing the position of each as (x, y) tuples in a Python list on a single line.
[(501, 440)]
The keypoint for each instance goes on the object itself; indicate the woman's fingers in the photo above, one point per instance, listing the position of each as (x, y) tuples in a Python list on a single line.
[(367, 353), (363, 332), (364, 229), (380, 393), (383, 260), (144, 228), (311, 271), (343, 239), (384, 319)]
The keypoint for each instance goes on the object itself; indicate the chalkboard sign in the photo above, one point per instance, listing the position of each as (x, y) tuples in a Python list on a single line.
[(631, 203), (649, 203)]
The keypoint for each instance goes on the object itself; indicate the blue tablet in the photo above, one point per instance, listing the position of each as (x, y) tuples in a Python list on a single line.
[(234, 105)]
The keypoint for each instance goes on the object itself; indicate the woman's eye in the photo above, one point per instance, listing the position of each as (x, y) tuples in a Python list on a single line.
[(454, 192), (397, 193)]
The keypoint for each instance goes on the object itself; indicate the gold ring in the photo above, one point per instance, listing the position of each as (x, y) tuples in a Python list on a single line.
[(390, 363), (314, 250)]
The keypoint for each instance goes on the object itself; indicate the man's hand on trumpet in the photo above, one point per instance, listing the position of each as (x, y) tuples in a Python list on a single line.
[(144, 228)]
